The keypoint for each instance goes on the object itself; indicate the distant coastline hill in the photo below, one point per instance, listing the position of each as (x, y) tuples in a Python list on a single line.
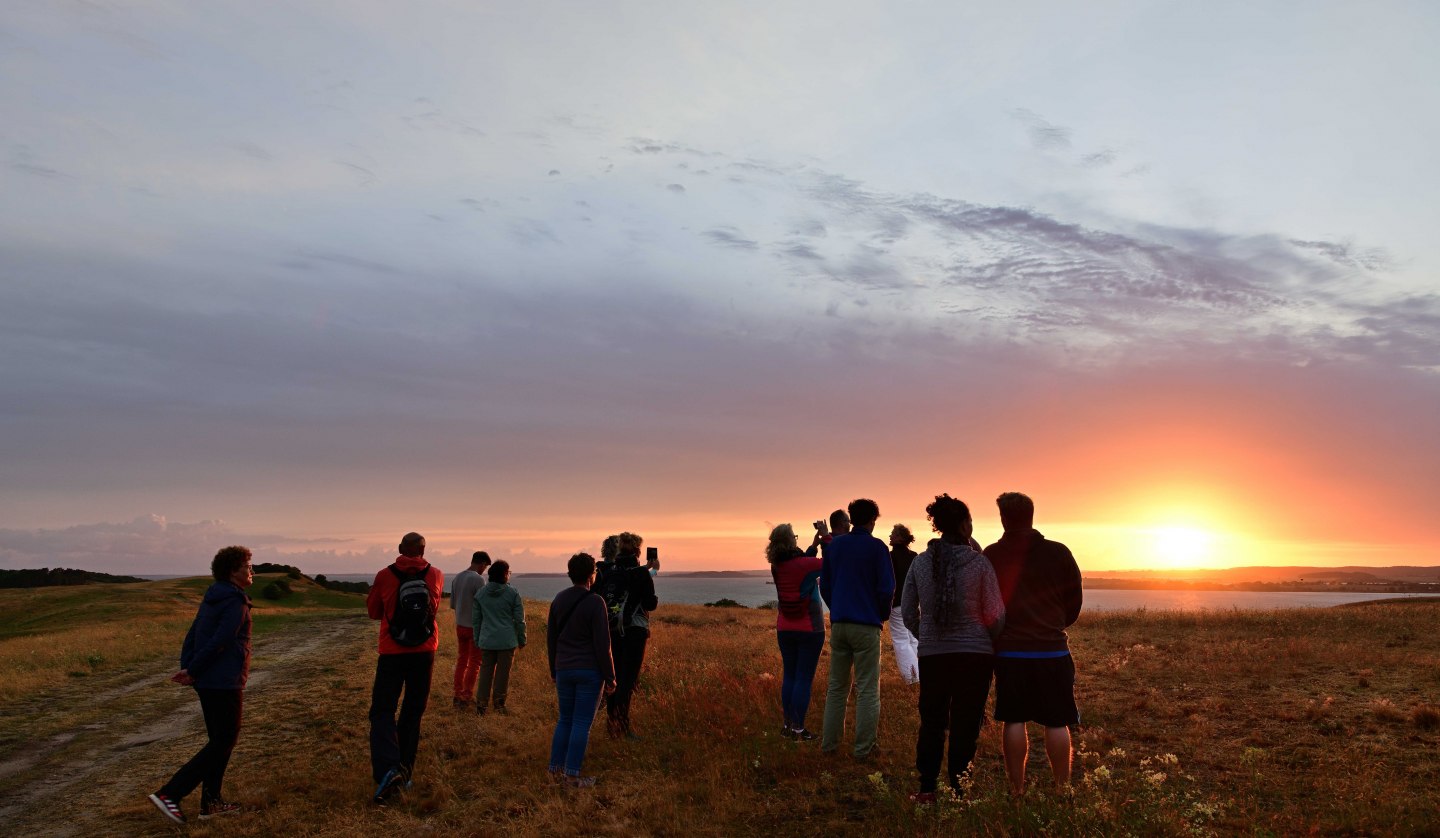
[(1353, 578), (46, 577)]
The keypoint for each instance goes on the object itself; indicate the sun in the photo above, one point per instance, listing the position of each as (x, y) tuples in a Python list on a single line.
[(1181, 547)]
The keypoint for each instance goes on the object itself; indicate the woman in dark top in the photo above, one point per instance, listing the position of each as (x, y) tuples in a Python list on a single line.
[(215, 660), (577, 642), (800, 623), (629, 594)]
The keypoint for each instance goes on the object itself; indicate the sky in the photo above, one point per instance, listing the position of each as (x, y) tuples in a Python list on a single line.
[(306, 276)]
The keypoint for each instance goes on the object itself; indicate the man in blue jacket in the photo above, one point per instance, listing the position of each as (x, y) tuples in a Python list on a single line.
[(857, 582), (215, 660)]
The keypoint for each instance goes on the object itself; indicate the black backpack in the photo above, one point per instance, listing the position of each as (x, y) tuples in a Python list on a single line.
[(413, 622), (615, 588)]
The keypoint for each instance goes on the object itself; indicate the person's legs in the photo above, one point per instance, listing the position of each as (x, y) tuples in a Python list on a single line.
[(587, 701), (811, 644), (837, 691), (417, 694), (612, 701), (1057, 748), (905, 645), (221, 709), (503, 659), (789, 655), (971, 686), (867, 687), (934, 715), (384, 698), (627, 673), (1016, 746), (467, 664), (560, 742), (487, 678)]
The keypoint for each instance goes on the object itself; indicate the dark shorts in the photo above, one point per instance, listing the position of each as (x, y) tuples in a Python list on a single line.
[(1036, 690)]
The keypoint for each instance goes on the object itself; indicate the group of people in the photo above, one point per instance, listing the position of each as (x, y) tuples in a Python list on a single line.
[(958, 617), (595, 643)]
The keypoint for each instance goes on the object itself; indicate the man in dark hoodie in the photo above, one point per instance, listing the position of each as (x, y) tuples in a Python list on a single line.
[(215, 660), (404, 598), (1034, 673)]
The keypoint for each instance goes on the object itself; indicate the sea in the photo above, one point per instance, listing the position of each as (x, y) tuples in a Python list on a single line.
[(753, 591)]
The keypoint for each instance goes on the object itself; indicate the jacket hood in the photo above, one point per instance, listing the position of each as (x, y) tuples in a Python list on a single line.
[(495, 588), (410, 564), (960, 554), (221, 591)]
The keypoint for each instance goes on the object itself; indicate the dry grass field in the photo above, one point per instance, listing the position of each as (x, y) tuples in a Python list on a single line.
[(1262, 723)]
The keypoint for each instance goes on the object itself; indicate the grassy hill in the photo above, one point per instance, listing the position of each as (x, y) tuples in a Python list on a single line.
[(93, 630)]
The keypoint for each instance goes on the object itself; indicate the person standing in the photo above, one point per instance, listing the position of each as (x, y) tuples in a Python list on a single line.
[(905, 643), (1034, 673), (404, 598), (499, 631), (577, 645), (952, 603), (800, 622), (629, 593), (462, 600), (215, 661), (858, 584)]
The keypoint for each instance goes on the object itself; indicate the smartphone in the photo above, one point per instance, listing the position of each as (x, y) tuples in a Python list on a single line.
[(652, 555)]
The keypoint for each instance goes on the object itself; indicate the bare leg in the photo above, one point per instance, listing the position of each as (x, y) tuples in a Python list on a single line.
[(1016, 746), (1057, 748)]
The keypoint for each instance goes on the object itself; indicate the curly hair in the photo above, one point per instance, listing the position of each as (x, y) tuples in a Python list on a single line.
[(948, 515), (906, 537), (863, 512), (610, 548), (782, 544), (628, 543), (499, 570), (229, 560)]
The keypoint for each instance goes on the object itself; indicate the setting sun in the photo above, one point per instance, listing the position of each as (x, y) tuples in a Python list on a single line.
[(1181, 547)]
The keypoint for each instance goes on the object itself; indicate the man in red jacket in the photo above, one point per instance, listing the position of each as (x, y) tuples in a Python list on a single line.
[(404, 598)]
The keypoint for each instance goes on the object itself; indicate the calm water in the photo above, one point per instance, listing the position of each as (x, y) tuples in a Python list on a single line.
[(753, 591)]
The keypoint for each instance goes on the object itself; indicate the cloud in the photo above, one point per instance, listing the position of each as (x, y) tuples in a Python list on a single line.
[(1044, 135), (730, 237)]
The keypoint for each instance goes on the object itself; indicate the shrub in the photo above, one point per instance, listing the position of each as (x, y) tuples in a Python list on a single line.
[(725, 602), (276, 590)]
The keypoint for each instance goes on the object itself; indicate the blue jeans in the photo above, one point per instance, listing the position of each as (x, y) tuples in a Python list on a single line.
[(800, 654), (579, 691)]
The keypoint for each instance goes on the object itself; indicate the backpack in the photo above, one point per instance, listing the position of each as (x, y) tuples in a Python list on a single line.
[(413, 622), (615, 589)]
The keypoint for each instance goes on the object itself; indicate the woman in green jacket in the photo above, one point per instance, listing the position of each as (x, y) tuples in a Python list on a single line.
[(499, 630)]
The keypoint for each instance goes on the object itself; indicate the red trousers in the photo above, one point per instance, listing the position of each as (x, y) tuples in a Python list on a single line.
[(467, 663)]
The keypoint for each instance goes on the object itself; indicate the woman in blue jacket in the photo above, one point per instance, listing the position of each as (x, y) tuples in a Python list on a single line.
[(215, 660)]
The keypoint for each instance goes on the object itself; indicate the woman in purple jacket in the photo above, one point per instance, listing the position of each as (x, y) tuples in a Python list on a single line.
[(215, 660)]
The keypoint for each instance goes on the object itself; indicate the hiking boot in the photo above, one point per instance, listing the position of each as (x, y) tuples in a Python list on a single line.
[(479, 709), (579, 782), (787, 731), (393, 779), (556, 775), (500, 708), (800, 734), (459, 703), (869, 756), (169, 808), (922, 798), (218, 807)]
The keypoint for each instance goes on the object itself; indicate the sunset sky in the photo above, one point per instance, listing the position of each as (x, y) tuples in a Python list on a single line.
[(308, 275)]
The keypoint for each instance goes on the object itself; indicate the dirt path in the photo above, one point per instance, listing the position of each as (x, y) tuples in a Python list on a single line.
[(86, 750)]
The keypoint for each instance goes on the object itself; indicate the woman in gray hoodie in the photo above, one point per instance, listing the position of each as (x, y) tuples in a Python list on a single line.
[(499, 630), (951, 601)]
